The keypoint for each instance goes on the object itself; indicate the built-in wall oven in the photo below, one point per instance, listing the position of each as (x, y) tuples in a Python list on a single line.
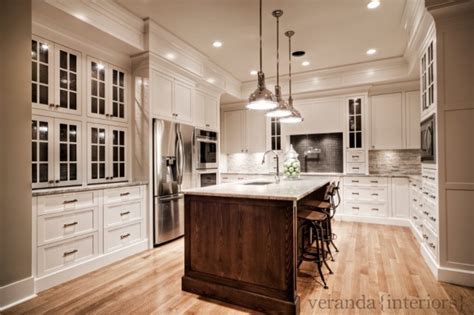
[(205, 143), (428, 140)]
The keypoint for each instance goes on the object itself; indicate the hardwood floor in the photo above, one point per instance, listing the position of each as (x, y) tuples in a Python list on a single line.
[(375, 263)]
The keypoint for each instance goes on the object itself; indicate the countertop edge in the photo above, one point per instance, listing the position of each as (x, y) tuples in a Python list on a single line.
[(75, 189)]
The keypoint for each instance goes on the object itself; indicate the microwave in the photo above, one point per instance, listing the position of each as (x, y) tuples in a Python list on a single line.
[(206, 151), (428, 139)]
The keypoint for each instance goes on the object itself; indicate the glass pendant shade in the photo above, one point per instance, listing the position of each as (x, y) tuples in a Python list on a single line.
[(262, 98)]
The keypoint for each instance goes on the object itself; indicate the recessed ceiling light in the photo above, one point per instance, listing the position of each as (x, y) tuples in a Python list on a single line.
[(305, 63), (211, 80), (371, 51), (253, 72), (217, 44), (298, 53), (373, 4), (170, 56)]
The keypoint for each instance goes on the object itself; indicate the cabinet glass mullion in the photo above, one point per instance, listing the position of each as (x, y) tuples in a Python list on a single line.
[(98, 153), (68, 80), (97, 88), (40, 152), (40, 68), (118, 154), (68, 135), (118, 93), (355, 123)]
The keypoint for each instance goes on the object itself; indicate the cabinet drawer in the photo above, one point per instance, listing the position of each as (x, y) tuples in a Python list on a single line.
[(431, 241), (122, 213), (122, 194), (66, 202), (366, 209), (355, 168), (365, 180), (116, 238), (71, 252), (355, 156), (366, 194), (57, 227)]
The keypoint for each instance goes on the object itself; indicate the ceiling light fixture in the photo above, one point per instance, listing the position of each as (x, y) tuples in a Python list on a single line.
[(253, 72), (371, 51), (261, 98), (299, 53), (295, 116), (282, 110), (373, 4), (217, 44), (305, 63)]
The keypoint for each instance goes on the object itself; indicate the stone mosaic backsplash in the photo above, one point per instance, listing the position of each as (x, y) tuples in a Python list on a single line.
[(250, 163), (396, 162)]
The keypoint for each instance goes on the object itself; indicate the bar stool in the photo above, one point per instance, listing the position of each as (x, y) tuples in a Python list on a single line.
[(312, 221), (327, 206)]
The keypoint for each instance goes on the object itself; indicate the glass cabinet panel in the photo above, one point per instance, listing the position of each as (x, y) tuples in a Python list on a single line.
[(41, 134), (68, 155), (355, 123), (40, 73), (98, 156), (118, 154), (275, 134), (97, 82), (68, 79), (118, 94)]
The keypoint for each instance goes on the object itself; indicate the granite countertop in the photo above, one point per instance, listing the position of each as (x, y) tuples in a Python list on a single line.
[(65, 190), (286, 190), (328, 174)]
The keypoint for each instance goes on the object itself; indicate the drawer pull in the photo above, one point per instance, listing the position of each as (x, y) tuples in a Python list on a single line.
[(433, 219), (357, 194), (124, 213), (420, 225), (355, 168), (425, 236), (432, 245), (355, 208), (426, 193), (432, 196), (355, 181), (374, 181), (426, 212), (69, 224), (432, 178), (355, 156), (415, 217), (70, 201), (70, 252), (124, 194), (375, 194), (414, 199), (124, 236), (375, 209)]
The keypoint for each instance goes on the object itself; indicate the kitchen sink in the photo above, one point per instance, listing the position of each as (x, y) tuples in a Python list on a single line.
[(259, 183)]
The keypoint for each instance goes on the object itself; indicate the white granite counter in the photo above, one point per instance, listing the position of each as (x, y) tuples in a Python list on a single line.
[(327, 174), (73, 189), (285, 190)]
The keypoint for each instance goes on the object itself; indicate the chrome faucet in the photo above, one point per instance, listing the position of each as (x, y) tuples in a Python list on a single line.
[(277, 173)]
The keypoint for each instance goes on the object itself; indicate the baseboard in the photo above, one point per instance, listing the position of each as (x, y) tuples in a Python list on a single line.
[(17, 292), (456, 276), (50, 280), (430, 261), (372, 220)]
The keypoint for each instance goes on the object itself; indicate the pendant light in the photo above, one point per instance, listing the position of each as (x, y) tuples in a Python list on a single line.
[(282, 109), (262, 98), (295, 116)]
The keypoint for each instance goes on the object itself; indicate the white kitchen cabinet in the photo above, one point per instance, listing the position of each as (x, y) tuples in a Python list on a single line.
[(56, 77), (106, 87), (56, 152), (412, 119), (205, 111), (400, 197), (428, 79), (171, 98), (387, 121), (107, 152), (244, 131)]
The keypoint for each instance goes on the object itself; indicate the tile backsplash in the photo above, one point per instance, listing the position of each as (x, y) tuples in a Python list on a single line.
[(400, 162), (330, 148), (249, 163)]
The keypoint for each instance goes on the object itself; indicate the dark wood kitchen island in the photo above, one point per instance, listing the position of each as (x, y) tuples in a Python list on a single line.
[(241, 242)]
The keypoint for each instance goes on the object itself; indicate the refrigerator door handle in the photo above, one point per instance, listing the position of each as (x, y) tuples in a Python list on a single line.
[(170, 198), (179, 156)]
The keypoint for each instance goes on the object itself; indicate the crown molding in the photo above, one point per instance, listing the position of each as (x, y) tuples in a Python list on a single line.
[(107, 16)]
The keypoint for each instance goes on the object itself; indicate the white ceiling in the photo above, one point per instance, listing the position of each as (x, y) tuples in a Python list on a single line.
[(332, 32)]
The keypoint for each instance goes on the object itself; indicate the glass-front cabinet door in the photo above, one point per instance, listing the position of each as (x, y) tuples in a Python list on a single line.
[(107, 154), (97, 93), (118, 108), (355, 123), (55, 152), (68, 80), (42, 70)]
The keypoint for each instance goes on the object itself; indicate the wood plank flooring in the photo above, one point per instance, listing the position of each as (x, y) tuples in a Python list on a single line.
[(375, 263)]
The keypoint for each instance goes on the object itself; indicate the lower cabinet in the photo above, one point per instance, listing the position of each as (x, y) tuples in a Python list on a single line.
[(366, 196), (78, 232)]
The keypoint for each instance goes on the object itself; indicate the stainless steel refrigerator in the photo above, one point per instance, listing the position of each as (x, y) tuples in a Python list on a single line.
[(172, 173)]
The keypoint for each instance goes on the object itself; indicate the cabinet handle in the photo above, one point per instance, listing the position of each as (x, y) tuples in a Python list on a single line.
[(124, 236), (426, 212), (69, 224), (432, 178), (57, 181), (414, 199), (355, 156), (207, 125), (374, 181), (375, 194), (70, 201), (425, 236), (357, 194), (415, 217), (432, 196), (124, 194), (51, 182), (124, 213), (355, 168), (375, 209), (433, 219), (70, 252), (355, 181), (355, 208), (51, 105), (432, 245), (426, 193), (107, 115)]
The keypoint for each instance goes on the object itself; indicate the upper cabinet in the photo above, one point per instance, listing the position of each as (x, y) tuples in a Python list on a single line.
[(171, 98), (56, 77), (428, 79), (395, 121), (244, 131), (206, 111), (106, 88), (355, 121)]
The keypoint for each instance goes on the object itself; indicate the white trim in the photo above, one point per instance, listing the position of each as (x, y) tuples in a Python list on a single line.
[(456, 276), (372, 220), (16, 293), (53, 279)]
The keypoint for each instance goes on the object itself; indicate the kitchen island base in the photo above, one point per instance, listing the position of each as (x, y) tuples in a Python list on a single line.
[(243, 251)]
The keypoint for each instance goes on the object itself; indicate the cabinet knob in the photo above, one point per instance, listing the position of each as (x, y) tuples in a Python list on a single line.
[(57, 105), (207, 125), (51, 105), (57, 181), (51, 182)]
